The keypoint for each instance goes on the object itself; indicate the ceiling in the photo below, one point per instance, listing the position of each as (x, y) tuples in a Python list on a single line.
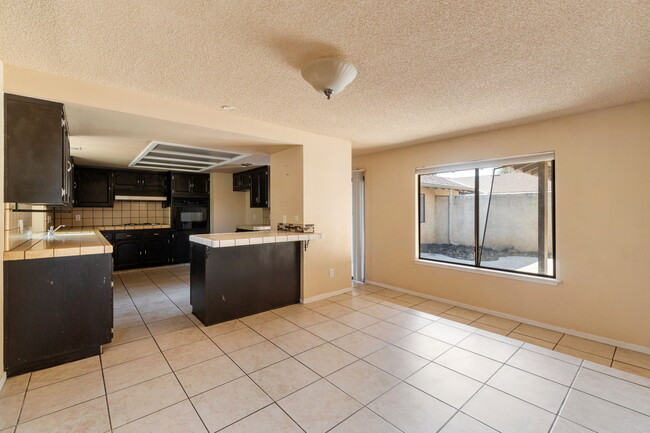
[(113, 139), (427, 69)]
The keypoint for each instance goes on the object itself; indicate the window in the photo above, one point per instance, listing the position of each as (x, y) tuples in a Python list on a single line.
[(496, 214)]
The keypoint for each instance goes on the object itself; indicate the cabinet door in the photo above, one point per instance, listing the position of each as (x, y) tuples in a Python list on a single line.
[(154, 183), (35, 151), (155, 252), (93, 187), (126, 180), (264, 187), (181, 183), (181, 245), (246, 181), (127, 254), (201, 184), (237, 181), (260, 188)]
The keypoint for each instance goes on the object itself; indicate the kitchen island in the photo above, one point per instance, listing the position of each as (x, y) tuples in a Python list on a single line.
[(234, 275)]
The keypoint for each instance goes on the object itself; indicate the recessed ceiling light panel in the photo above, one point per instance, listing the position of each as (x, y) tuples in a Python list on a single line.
[(180, 157)]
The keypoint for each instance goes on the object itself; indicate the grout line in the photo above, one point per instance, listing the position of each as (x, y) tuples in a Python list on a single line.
[(108, 408)]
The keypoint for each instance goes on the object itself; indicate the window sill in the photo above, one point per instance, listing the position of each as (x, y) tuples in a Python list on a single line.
[(491, 272)]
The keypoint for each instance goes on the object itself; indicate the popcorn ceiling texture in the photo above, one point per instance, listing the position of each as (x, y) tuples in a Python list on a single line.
[(427, 69)]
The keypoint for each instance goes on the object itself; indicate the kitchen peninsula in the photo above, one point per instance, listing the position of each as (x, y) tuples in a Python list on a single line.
[(238, 274)]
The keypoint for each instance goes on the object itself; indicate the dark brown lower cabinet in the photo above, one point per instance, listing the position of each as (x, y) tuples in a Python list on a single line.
[(233, 282), (56, 310)]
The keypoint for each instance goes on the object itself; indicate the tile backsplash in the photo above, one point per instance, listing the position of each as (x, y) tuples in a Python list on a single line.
[(122, 212), (32, 223)]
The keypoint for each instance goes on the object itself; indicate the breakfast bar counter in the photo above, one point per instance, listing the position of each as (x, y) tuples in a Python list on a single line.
[(234, 275)]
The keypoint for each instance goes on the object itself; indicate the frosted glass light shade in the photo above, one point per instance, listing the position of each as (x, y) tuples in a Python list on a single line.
[(329, 75)]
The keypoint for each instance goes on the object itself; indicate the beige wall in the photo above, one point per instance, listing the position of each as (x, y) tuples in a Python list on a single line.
[(603, 223), (287, 186), (2, 223), (228, 207)]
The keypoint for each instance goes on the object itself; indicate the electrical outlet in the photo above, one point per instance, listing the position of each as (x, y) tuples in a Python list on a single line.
[(254, 216), (284, 219), (21, 226), (331, 272), (77, 217), (49, 219), (296, 218)]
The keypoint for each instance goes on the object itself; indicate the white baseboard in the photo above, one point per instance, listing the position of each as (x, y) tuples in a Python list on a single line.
[(597, 338), (324, 296), (3, 379)]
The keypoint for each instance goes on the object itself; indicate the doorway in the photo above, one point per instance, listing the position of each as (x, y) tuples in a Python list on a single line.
[(358, 225)]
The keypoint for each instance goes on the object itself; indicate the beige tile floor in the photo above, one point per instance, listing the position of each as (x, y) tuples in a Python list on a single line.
[(372, 360)]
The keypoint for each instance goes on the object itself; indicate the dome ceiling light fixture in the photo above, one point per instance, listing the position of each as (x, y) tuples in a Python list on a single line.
[(329, 75)]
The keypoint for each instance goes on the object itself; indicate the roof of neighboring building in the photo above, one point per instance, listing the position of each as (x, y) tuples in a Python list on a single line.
[(433, 181), (503, 183)]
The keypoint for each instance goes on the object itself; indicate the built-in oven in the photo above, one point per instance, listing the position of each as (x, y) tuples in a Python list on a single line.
[(190, 214)]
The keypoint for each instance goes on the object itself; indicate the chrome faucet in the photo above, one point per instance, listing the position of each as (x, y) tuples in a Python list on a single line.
[(52, 230)]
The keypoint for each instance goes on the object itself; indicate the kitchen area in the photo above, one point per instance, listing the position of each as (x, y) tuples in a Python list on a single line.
[(76, 232)]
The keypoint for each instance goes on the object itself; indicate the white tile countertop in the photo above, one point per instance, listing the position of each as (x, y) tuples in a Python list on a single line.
[(219, 240)]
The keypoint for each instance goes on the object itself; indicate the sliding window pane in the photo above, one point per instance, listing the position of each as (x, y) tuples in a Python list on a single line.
[(447, 217), (516, 218)]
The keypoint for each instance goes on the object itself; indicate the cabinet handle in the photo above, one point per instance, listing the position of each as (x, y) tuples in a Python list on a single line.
[(69, 169)]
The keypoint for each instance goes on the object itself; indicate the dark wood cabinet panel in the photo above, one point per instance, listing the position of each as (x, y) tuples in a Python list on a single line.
[(128, 252), (93, 187), (126, 181), (181, 247), (154, 182), (56, 310), (38, 166), (257, 181), (190, 185), (156, 251)]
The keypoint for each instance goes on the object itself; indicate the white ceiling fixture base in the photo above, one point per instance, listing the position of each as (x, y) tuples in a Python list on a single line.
[(159, 155), (329, 75)]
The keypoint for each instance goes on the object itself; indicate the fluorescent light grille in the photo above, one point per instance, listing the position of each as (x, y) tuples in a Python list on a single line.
[(180, 157)]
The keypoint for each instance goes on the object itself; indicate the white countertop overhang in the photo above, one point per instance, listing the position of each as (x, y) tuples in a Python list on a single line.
[(220, 240)]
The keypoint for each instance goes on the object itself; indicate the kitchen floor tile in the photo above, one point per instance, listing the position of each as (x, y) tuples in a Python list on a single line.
[(409, 321), (364, 421), (60, 395), (236, 340), (88, 417), (380, 311), (284, 378), (15, 385), (223, 328), (229, 403), (398, 362), (444, 384), (468, 363), (631, 357), (208, 374), (274, 328), (297, 342), (292, 309), (179, 338), (537, 332), (271, 419), (64, 371), (602, 416), (387, 332), (531, 340), (462, 423), (143, 399), (583, 355), (330, 330), (10, 410), (326, 359), (306, 318), (498, 322), (640, 372), (423, 346), (126, 335), (488, 347), (544, 366), (359, 344), (169, 325), (133, 372), (128, 352), (464, 313), (333, 310), (615, 372), (356, 303), (534, 389), (618, 391), (362, 381), (412, 410), (553, 354), (190, 354), (357, 320), (589, 346), (452, 320), (446, 333), (180, 417), (319, 407), (259, 318), (258, 356), (508, 414), (565, 426), (489, 328)]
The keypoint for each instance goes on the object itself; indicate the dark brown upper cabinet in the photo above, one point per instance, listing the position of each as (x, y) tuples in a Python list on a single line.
[(93, 187), (140, 183), (257, 182), (190, 185), (38, 166)]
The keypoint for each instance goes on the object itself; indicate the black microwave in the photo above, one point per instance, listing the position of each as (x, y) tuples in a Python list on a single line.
[(190, 214)]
